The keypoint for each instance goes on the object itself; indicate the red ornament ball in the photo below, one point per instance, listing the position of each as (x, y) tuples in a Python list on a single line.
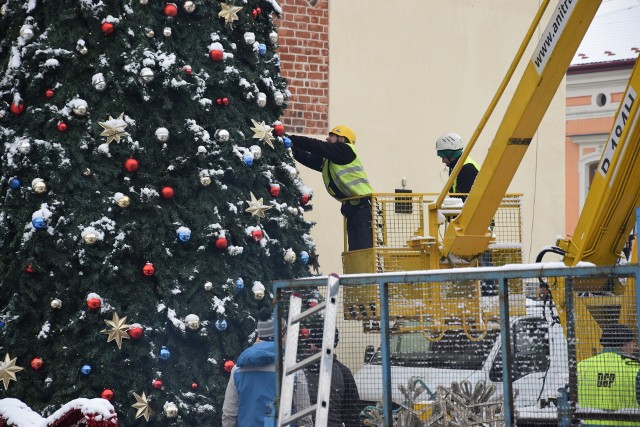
[(148, 269), (131, 165), (274, 189), (30, 269), (304, 333), (107, 28), (278, 129), (221, 243), (170, 9), (107, 394), (166, 192), (304, 199), (228, 365), (216, 54), (157, 384), (94, 303), (257, 235), (194, 386), (62, 126), (313, 303), (36, 363), (187, 69), (17, 109), (135, 332), (49, 93)]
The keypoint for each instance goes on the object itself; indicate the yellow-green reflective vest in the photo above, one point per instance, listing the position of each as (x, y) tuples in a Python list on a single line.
[(467, 161), (608, 381), (350, 179)]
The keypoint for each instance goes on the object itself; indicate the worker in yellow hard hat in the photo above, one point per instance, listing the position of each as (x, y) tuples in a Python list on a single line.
[(609, 381), (343, 176)]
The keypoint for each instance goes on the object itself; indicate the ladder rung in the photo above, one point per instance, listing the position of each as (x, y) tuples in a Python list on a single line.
[(309, 312), (303, 413), (303, 363)]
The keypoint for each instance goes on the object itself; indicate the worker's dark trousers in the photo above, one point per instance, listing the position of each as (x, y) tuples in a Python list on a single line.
[(359, 233)]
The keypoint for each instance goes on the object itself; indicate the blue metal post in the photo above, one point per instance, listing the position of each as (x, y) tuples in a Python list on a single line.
[(386, 354), (505, 342), (569, 306)]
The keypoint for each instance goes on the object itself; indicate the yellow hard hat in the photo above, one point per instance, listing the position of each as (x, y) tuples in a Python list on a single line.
[(345, 131)]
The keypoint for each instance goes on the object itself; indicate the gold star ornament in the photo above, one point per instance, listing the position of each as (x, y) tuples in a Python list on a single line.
[(263, 132), (8, 370), (256, 207), (118, 329), (229, 13), (142, 405), (114, 129)]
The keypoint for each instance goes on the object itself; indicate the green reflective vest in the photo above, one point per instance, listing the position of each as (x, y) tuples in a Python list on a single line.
[(608, 381), (350, 179), (467, 161)]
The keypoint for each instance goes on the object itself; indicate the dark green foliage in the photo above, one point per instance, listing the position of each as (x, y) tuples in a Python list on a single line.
[(83, 174)]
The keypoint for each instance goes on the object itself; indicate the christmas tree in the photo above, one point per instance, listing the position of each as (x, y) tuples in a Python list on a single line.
[(148, 199)]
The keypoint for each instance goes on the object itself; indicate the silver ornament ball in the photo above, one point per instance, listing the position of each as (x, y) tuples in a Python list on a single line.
[(222, 135), (192, 321), (166, 32), (82, 50), (80, 109), (24, 147), (56, 303), (273, 36), (147, 75), (189, 6), (261, 100), (162, 134), (170, 410), (278, 97), (249, 38), (256, 151), (99, 83), (208, 286), (26, 32)]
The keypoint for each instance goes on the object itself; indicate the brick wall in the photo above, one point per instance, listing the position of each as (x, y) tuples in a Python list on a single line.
[(303, 38)]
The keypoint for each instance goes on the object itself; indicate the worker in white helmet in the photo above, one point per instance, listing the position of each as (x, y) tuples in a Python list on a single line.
[(449, 147)]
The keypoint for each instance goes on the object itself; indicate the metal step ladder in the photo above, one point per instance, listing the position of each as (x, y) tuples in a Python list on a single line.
[(325, 356)]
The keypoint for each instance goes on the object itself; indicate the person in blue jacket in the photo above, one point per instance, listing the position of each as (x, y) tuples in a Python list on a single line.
[(252, 384)]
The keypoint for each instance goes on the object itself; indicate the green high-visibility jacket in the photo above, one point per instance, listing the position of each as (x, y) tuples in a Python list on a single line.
[(349, 179), (467, 161), (608, 381)]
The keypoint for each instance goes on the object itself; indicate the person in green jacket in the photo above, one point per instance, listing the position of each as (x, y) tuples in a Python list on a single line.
[(344, 177), (609, 380)]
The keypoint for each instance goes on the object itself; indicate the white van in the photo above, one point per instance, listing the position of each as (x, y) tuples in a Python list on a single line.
[(539, 354)]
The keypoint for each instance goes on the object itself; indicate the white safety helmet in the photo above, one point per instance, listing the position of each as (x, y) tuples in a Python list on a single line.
[(449, 141)]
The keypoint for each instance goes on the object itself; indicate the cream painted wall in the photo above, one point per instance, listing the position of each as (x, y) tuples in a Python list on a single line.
[(403, 73)]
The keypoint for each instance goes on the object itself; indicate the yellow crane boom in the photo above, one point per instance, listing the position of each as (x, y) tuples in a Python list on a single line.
[(469, 233)]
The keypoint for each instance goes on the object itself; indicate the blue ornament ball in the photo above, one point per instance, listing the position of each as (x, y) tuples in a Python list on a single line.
[(262, 49), (2, 324), (304, 257), (184, 236), (165, 353), (239, 283), (15, 183), (286, 141), (247, 158), (86, 370), (221, 325), (39, 223)]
